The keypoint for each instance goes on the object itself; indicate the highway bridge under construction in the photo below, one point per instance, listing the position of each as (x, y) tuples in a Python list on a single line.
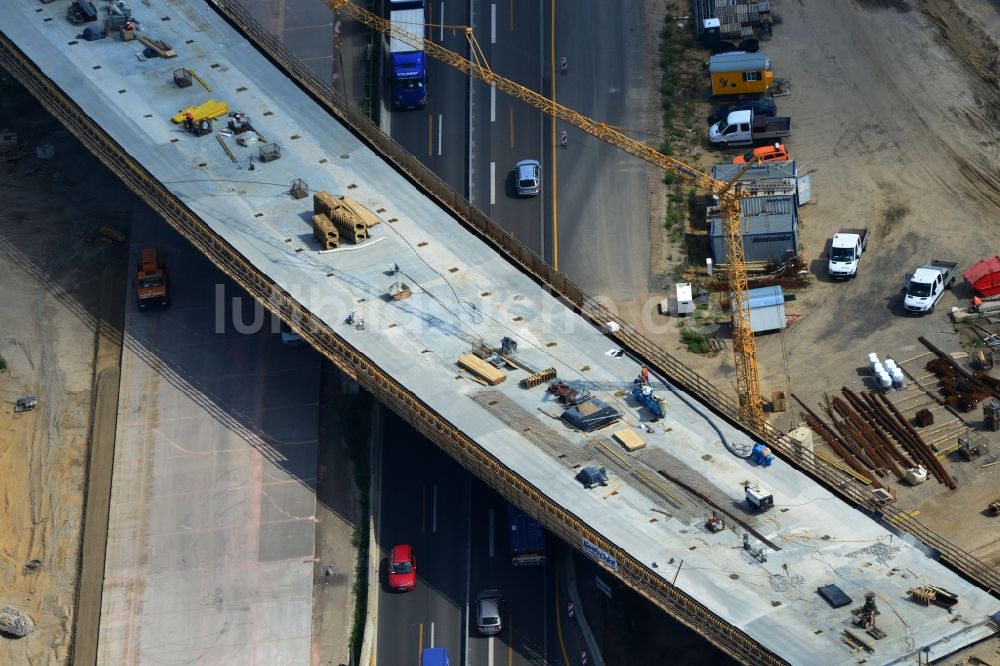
[(435, 282)]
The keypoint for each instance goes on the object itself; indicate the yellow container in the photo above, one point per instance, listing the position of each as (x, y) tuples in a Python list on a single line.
[(740, 73)]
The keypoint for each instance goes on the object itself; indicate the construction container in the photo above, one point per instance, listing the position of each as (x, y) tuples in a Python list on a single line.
[(269, 152), (984, 276), (182, 78), (768, 179), (767, 309), (740, 73), (766, 237), (685, 304), (991, 415)]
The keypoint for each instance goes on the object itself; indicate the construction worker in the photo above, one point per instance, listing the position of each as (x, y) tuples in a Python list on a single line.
[(189, 122), (976, 302), (645, 375)]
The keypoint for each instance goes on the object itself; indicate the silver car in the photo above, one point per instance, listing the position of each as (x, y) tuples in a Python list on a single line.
[(528, 178), (489, 612)]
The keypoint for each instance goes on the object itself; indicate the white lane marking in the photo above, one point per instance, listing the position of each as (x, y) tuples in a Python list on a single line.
[(493, 183), (434, 514), (493, 24), (468, 562), (489, 651), (432, 634), (493, 104), (491, 532), (439, 135), (441, 18)]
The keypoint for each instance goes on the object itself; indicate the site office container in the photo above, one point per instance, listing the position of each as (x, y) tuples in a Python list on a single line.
[(770, 230), (739, 73)]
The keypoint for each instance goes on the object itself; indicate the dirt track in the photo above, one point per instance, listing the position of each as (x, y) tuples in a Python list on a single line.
[(47, 335)]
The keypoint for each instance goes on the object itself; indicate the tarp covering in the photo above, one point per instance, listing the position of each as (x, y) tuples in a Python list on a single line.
[(591, 415), (984, 276)]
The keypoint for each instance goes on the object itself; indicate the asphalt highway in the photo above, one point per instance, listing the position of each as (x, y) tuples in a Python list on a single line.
[(458, 530)]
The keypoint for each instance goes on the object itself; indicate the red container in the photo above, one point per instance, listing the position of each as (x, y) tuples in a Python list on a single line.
[(985, 276)]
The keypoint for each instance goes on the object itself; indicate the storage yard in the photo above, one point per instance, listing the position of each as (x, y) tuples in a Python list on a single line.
[(870, 168)]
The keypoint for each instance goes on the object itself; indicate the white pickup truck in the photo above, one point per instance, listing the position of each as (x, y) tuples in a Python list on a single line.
[(745, 128), (925, 286), (846, 249)]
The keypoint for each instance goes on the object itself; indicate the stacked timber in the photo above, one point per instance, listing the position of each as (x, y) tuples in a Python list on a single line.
[(481, 369), (361, 212), (325, 232), (349, 225)]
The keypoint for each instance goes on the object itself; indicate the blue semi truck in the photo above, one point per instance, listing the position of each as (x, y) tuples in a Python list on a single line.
[(527, 538), (434, 657), (407, 63)]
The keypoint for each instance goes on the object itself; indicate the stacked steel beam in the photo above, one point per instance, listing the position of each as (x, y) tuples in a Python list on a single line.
[(872, 436)]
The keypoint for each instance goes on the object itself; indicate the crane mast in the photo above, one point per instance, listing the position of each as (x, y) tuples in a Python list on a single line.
[(744, 345)]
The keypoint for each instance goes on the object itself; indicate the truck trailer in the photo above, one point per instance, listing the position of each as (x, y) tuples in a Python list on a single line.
[(527, 538), (437, 656), (407, 63)]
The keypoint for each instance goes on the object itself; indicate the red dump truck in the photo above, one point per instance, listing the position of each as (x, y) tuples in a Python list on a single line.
[(151, 279)]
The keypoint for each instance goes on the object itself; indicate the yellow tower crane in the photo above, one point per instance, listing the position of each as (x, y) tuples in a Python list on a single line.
[(744, 345)]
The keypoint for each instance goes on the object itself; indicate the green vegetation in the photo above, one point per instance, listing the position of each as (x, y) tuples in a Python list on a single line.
[(696, 342), (355, 420), (3, 364), (678, 88)]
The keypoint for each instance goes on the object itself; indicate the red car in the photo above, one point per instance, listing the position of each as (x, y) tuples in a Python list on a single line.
[(402, 568)]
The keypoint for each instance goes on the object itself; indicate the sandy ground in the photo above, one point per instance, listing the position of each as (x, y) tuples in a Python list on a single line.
[(895, 105), (48, 337)]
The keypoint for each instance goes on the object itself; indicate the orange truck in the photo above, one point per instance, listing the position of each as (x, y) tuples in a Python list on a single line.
[(151, 279)]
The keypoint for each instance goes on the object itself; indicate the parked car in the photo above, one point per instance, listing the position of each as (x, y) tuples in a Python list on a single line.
[(760, 107), (724, 47), (289, 337), (528, 178), (402, 568), (772, 153), (489, 612)]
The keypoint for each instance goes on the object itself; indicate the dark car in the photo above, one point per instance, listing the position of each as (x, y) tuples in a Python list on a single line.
[(760, 107)]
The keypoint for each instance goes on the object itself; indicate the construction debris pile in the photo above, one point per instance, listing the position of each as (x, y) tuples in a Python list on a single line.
[(874, 439), (961, 388), (790, 273), (15, 623)]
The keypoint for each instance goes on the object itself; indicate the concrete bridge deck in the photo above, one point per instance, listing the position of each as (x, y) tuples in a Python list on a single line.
[(464, 293)]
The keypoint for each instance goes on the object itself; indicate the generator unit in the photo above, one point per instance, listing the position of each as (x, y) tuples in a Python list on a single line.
[(759, 499)]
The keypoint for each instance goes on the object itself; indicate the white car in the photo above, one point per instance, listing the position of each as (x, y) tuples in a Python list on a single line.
[(489, 612), (290, 337), (528, 178)]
